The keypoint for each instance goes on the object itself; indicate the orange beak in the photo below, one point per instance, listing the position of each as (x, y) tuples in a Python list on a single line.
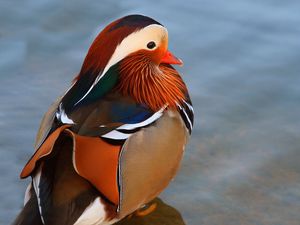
[(169, 58)]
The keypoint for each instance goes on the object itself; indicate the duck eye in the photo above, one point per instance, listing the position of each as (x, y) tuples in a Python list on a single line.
[(151, 45)]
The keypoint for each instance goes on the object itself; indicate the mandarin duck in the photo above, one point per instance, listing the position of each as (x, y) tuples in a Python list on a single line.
[(115, 139)]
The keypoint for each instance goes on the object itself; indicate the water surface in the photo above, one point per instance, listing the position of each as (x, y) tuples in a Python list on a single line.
[(241, 66)]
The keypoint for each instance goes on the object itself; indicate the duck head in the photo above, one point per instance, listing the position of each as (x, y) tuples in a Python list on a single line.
[(138, 47), (133, 34)]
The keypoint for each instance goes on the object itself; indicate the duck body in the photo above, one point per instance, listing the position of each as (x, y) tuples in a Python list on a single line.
[(115, 139)]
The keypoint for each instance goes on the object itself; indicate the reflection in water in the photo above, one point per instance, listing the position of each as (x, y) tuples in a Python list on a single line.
[(163, 214)]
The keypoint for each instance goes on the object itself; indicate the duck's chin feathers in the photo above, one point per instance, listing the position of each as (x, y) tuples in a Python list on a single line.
[(150, 84)]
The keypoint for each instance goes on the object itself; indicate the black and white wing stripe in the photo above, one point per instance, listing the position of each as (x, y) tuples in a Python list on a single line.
[(126, 130), (187, 114)]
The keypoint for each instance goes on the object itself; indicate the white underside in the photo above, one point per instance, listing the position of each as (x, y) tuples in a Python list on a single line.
[(94, 214)]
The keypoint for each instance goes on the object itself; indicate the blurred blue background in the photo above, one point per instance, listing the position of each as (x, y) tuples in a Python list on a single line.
[(242, 67)]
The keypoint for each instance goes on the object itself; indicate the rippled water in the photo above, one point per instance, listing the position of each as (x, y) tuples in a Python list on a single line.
[(242, 68)]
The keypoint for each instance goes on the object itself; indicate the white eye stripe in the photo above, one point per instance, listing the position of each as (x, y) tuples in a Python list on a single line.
[(136, 41)]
